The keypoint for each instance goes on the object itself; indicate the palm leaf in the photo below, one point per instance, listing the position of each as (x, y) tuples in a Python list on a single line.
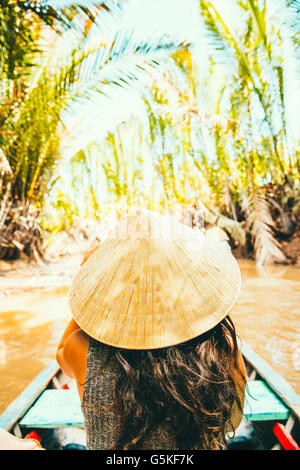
[(267, 248), (34, 123), (61, 14), (121, 62)]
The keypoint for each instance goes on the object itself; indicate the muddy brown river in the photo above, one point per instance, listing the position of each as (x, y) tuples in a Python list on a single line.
[(266, 316)]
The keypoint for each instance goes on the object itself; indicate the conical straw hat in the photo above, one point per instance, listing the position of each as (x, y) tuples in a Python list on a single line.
[(152, 283)]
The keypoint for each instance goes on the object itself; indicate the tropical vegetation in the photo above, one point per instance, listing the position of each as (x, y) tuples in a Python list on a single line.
[(38, 83), (217, 140)]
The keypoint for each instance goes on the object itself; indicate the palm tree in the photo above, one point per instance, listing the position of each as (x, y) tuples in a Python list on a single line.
[(248, 124), (176, 125), (34, 91), (248, 46)]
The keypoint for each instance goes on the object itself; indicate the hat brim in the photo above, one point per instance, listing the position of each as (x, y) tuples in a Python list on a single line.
[(150, 293)]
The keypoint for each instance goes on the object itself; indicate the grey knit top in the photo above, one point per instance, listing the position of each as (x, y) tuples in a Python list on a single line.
[(101, 422)]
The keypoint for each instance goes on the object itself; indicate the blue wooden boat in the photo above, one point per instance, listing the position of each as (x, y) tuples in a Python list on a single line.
[(50, 408)]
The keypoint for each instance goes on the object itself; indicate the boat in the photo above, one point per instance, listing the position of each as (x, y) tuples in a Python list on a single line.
[(49, 410)]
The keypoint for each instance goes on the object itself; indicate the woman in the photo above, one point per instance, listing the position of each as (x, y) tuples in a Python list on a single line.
[(151, 345)]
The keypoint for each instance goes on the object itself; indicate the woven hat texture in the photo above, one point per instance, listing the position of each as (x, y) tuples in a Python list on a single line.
[(154, 282)]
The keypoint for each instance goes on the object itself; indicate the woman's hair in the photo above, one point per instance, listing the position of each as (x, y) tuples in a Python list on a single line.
[(191, 388)]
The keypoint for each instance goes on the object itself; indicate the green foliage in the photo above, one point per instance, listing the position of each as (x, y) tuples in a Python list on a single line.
[(36, 86), (219, 135)]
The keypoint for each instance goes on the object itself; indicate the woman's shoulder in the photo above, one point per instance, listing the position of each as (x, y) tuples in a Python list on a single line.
[(76, 349)]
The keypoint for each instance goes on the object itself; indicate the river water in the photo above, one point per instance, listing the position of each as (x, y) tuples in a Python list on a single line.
[(266, 316)]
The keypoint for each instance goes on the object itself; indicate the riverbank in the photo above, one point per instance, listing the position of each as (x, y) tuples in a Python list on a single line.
[(289, 247), (61, 261), (19, 276), (64, 256)]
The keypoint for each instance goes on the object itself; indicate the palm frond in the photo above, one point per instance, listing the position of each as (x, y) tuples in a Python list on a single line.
[(267, 248), (121, 62), (123, 59), (29, 136), (61, 14), (216, 39), (261, 24)]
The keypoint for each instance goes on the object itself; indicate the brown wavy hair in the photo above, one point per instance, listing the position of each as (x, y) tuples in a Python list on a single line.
[(191, 388)]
